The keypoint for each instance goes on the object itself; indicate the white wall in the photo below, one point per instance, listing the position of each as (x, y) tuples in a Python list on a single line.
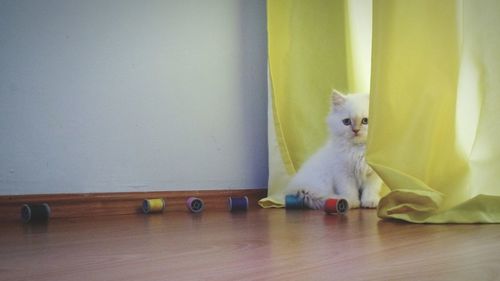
[(131, 95)]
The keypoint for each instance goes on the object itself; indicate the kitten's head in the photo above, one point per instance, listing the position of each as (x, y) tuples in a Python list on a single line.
[(348, 118)]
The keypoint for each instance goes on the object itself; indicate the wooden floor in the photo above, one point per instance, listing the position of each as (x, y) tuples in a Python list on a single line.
[(258, 245)]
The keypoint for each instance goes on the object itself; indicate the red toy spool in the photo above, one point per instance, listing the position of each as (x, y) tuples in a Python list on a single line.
[(336, 206)]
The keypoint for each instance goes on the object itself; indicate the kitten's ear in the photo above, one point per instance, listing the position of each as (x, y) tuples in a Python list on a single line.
[(337, 98)]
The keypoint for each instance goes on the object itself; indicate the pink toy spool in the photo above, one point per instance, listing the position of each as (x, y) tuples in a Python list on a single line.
[(195, 205)]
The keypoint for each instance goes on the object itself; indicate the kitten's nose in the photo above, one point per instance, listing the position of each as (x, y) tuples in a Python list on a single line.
[(356, 131)]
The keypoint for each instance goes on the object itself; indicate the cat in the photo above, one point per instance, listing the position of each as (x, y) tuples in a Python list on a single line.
[(339, 168)]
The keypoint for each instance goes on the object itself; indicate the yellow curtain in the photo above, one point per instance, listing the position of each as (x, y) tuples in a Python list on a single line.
[(435, 94), (434, 109), (314, 47)]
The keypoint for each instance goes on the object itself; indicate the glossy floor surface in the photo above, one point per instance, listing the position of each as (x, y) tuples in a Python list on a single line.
[(257, 245)]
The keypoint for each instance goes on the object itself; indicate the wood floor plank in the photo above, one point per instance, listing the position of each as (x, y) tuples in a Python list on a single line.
[(257, 245)]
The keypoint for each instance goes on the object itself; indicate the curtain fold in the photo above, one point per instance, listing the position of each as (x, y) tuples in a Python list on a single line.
[(435, 98), (435, 95)]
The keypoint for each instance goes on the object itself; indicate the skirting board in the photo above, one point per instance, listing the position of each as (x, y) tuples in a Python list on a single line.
[(122, 203)]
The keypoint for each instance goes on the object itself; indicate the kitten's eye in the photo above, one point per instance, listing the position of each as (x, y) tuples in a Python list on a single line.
[(364, 121), (346, 121)]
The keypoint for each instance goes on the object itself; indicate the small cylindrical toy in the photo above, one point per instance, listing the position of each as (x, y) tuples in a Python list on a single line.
[(153, 205), (294, 202), (237, 203), (336, 206), (35, 212), (195, 205)]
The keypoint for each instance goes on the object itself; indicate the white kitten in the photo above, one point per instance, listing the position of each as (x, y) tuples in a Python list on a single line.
[(339, 168)]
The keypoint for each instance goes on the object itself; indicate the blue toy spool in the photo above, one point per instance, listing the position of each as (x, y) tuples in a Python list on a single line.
[(294, 202), (235, 204), (35, 212)]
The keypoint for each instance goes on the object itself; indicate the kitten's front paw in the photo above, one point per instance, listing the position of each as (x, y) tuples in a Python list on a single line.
[(353, 203), (311, 200), (370, 202)]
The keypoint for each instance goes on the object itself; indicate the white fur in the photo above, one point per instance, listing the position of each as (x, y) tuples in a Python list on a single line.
[(339, 168)]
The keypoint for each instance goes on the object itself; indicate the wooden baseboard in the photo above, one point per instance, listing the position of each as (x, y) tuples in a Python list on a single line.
[(122, 203)]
